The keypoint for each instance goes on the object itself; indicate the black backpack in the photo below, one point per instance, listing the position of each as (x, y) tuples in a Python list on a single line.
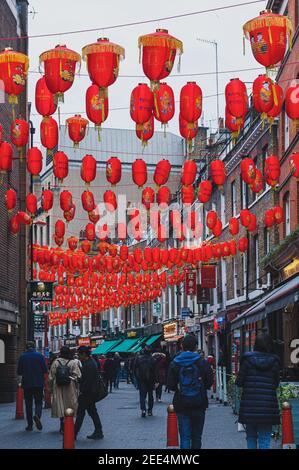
[(63, 374)]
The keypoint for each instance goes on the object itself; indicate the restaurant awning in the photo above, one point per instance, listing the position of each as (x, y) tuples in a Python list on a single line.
[(106, 346), (138, 346), (152, 339), (125, 346), (275, 300)]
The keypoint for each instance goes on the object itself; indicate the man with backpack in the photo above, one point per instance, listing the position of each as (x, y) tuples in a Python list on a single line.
[(190, 376), (144, 372)]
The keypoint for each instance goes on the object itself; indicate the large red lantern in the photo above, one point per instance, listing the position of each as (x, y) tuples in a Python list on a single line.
[(148, 197), (245, 217), (258, 182), (97, 106), (88, 169), (191, 102), (145, 131), (248, 170), (272, 170), (278, 103), (44, 99), (60, 166), (19, 133), (87, 200), (110, 200), (267, 34), (34, 161), (278, 215), (234, 226), (294, 165), (187, 131), (292, 102), (189, 171), (10, 199), (188, 195), (236, 98), (66, 200), (211, 219), (162, 172), (243, 244), (47, 200), (49, 133), (218, 173), (164, 196), (76, 128), (269, 218), (59, 69), (5, 157), (158, 54), (102, 61), (14, 224), (24, 218), (113, 170), (13, 72), (59, 228), (205, 189), (141, 103), (164, 104), (233, 124), (263, 94), (31, 203), (90, 232), (139, 172)]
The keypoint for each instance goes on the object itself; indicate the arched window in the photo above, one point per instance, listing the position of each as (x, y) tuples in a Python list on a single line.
[(2, 352), (286, 211)]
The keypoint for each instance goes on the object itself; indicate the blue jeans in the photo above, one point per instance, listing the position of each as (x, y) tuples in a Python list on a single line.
[(258, 434), (190, 429)]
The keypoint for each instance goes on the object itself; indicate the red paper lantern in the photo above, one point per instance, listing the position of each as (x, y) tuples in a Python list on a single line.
[(234, 226), (164, 104), (211, 219), (24, 218), (34, 161), (76, 128), (31, 203), (110, 201), (252, 226), (272, 170), (217, 230), (13, 72), (148, 197), (145, 131), (97, 106), (243, 244), (292, 102), (85, 246), (139, 172), (10, 199), (263, 94), (188, 131), (14, 224), (113, 170), (66, 200), (141, 103), (1, 133), (94, 216), (236, 98), (87, 200), (72, 243), (269, 218), (164, 196), (19, 133), (189, 171), (49, 133), (191, 102), (88, 169), (44, 99), (233, 124), (5, 157), (267, 34), (245, 217), (278, 215), (59, 69), (90, 232), (218, 173), (47, 199), (187, 194), (233, 247), (277, 106), (248, 170), (258, 182), (162, 172), (205, 191), (70, 214), (158, 54), (294, 164), (102, 61), (60, 166), (59, 228)]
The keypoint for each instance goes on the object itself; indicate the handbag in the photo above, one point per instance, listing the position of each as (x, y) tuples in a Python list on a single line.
[(102, 390)]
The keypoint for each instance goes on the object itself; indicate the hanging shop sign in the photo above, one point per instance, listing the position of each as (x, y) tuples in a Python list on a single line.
[(208, 276), (156, 309), (38, 290), (190, 282), (170, 330), (203, 295), (291, 269), (84, 341), (39, 322)]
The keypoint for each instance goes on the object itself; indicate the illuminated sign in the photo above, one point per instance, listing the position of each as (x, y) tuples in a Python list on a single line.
[(291, 269), (170, 330)]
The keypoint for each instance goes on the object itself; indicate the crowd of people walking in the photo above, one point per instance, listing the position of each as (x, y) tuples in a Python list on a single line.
[(79, 381)]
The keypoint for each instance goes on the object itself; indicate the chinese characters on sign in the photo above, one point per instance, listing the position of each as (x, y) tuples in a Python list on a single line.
[(190, 282), (208, 276), (40, 291)]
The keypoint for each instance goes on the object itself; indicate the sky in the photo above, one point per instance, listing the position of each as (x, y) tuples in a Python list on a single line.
[(224, 27)]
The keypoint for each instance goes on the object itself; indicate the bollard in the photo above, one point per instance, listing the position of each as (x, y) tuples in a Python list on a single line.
[(288, 441), (47, 394), (224, 387), (19, 403), (69, 430), (172, 428)]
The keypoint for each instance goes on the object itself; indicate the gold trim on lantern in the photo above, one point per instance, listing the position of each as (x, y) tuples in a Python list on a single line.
[(13, 56), (163, 41), (268, 21), (60, 54), (77, 120), (103, 47)]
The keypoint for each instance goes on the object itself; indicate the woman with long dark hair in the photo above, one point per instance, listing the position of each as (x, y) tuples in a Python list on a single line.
[(259, 378)]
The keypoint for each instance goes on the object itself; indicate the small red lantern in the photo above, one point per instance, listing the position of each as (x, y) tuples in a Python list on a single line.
[(44, 99), (72, 243), (269, 218), (188, 131), (162, 172), (243, 244), (252, 226), (248, 170), (49, 133), (90, 232), (164, 196), (10, 199), (233, 124), (88, 169), (158, 54), (70, 214), (218, 173), (233, 247), (145, 131), (19, 133), (47, 200), (236, 98), (292, 102), (86, 246), (31, 203), (87, 200), (191, 102), (211, 219), (59, 228), (164, 104), (94, 216), (139, 172), (34, 161), (189, 171), (59, 69), (5, 157), (76, 128), (148, 197), (66, 200), (272, 170), (60, 166), (245, 217), (258, 182), (97, 105), (278, 215), (13, 72), (14, 224), (234, 226), (110, 201), (113, 170), (294, 164), (263, 94), (188, 195), (141, 103), (205, 191), (217, 230), (278, 103), (24, 218)]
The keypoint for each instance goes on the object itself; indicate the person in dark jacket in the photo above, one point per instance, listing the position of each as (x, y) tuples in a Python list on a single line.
[(32, 367), (190, 377), (259, 378), (88, 391), (109, 369), (117, 369), (161, 373), (144, 372)]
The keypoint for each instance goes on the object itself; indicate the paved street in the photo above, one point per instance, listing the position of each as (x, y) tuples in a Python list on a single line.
[(122, 425)]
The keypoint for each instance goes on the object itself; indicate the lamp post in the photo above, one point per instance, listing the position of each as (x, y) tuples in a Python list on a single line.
[(215, 44)]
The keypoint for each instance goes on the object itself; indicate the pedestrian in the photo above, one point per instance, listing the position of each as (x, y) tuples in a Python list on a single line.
[(32, 367), (101, 363), (109, 368), (259, 378), (189, 377), (145, 374), (161, 373), (63, 378), (117, 369), (127, 370), (89, 386)]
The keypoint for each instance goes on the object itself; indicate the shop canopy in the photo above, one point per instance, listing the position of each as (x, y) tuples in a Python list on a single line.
[(152, 339), (145, 341), (278, 298), (125, 346), (139, 345), (106, 346)]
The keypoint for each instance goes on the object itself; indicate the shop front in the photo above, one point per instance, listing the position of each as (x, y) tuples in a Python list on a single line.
[(172, 334)]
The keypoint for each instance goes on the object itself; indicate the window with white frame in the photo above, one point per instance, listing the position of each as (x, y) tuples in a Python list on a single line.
[(222, 208), (234, 198), (286, 210)]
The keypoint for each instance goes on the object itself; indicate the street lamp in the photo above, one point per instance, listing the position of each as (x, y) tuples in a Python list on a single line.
[(214, 43)]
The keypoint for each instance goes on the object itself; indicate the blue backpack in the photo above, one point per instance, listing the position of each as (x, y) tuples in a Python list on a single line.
[(191, 388)]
